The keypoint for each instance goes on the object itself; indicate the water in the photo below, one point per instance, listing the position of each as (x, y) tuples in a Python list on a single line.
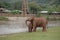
[(53, 23), (16, 25)]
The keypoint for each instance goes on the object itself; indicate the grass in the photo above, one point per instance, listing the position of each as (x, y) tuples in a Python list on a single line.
[(2, 18), (51, 34)]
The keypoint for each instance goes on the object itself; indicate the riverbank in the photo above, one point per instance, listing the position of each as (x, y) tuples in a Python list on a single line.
[(51, 34), (17, 24)]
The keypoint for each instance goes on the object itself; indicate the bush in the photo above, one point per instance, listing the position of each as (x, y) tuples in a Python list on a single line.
[(2, 18), (15, 12)]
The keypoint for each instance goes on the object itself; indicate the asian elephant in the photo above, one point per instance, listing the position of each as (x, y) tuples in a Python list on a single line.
[(36, 22)]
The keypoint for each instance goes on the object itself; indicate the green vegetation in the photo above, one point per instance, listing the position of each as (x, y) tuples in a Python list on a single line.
[(16, 12), (51, 34), (36, 5), (38, 15), (5, 5), (2, 18)]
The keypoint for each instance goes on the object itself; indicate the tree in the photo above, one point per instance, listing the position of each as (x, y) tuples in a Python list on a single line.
[(34, 8), (17, 5), (58, 8), (51, 9), (5, 5)]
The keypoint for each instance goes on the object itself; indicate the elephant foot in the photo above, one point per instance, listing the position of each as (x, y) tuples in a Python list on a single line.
[(34, 30), (29, 31), (43, 30)]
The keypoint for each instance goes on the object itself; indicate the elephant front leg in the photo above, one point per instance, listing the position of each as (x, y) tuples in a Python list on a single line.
[(34, 27), (29, 29)]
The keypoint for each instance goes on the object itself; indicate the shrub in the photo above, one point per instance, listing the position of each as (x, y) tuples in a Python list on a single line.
[(15, 12)]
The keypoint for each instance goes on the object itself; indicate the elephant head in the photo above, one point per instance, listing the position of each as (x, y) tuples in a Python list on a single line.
[(30, 20), (30, 24)]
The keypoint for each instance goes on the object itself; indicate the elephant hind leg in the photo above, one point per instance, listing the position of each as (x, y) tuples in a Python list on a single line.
[(44, 28)]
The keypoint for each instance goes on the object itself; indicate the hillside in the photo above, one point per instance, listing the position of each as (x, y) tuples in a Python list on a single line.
[(16, 4), (38, 1)]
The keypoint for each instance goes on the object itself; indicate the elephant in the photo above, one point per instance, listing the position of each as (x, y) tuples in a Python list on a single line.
[(36, 22)]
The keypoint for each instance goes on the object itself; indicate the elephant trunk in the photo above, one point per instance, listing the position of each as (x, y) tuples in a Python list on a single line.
[(26, 22)]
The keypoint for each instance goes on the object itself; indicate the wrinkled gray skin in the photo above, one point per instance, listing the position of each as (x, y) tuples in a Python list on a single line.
[(36, 22)]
